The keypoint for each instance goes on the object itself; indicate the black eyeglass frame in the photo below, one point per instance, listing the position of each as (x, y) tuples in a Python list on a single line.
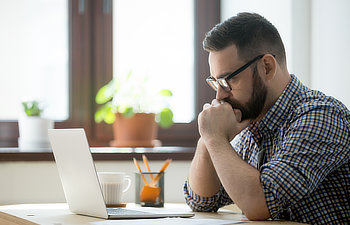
[(223, 82)]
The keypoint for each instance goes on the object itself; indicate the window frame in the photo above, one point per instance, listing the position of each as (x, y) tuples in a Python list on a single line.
[(91, 66)]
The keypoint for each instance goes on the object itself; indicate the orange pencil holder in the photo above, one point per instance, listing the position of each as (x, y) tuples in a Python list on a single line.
[(152, 193)]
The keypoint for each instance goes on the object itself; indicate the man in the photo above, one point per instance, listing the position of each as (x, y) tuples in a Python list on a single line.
[(268, 143)]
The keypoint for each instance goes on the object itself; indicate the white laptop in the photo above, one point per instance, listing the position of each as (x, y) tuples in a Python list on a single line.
[(80, 182)]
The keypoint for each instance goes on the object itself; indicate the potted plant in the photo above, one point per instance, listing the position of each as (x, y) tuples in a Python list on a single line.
[(134, 109), (33, 128)]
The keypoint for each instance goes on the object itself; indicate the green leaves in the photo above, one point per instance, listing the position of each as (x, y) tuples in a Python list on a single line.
[(165, 118), (109, 117), (131, 95), (106, 92), (32, 108), (105, 113), (166, 92), (126, 111), (101, 96), (105, 96)]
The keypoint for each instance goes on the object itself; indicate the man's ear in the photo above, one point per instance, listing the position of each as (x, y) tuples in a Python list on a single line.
[(269, 66)]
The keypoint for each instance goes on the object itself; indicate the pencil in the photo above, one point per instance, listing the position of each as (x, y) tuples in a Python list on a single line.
[(139, 169), (165, 165), (145, 161), (156, 178)]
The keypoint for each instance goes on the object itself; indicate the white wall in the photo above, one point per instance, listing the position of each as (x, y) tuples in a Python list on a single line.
[(331, 48), (38, 182), (301, 39)]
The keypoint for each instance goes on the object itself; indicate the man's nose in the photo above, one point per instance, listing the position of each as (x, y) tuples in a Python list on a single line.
[(221, 94)]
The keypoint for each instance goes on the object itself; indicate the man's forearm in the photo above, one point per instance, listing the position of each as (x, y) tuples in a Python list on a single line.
[(240, 180), (202, 177)]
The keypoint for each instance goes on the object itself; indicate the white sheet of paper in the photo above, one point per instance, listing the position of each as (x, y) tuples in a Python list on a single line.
[(168, 221)]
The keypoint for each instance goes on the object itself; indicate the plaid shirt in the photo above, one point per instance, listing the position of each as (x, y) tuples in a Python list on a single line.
[(306, 172)]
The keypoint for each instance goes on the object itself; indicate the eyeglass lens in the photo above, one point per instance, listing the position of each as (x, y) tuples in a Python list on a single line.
[(215, 84)]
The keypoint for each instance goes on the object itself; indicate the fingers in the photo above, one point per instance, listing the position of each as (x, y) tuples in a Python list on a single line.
[(206, 105), (216, 102)]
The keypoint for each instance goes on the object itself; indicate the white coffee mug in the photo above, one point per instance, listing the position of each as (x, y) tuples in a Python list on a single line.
[(113, 185)]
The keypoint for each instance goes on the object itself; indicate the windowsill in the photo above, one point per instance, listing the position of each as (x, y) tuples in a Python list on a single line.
[(103, 153)]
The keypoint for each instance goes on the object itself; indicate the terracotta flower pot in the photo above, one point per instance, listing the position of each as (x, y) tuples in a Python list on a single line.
[(140, 130)]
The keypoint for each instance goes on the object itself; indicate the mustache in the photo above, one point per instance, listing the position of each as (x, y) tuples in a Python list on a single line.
[(234, 104)]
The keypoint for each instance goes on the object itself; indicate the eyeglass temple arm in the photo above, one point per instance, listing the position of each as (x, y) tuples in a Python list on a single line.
[(245, 66)]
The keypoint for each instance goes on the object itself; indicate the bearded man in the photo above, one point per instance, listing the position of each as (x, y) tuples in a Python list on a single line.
[(268, 143)]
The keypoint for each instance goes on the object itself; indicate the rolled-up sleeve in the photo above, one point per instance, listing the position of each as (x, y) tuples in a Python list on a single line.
[(282, 187), (206, 204)]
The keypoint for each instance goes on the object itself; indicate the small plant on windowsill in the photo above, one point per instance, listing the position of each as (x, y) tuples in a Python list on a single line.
[(33, 128), (32, 108), (132, 106)]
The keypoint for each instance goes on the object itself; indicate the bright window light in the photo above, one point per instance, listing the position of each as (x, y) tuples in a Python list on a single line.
[(155, 38), (34, 56)]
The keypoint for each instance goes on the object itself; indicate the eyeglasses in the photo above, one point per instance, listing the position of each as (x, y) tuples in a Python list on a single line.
[(223, 82)]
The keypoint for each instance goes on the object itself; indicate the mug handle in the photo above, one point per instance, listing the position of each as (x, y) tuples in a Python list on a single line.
[(127, 178)]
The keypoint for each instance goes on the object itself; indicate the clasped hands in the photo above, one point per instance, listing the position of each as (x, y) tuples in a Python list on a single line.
[(220, 122)]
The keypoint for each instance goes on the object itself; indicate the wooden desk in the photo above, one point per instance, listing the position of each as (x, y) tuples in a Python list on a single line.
[(60, 214)]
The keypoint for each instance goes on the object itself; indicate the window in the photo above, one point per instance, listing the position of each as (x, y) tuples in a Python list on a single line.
[(162, 49), (34, 57), (91, 64)]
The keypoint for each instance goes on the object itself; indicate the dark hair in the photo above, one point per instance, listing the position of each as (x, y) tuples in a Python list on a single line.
[(251, 33)]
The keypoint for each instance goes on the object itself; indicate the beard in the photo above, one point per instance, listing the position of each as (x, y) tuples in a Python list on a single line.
[(254, 107)]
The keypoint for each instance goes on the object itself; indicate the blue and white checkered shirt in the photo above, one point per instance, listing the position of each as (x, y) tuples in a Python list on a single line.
[(306, 172)]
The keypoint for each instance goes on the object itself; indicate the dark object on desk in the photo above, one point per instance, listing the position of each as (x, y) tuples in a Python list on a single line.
[(123, 205), (146, 199)]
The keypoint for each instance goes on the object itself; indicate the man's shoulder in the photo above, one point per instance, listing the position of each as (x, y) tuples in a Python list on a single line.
[(313, 101)]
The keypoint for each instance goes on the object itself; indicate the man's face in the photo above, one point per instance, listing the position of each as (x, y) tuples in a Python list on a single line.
[(248, 92)]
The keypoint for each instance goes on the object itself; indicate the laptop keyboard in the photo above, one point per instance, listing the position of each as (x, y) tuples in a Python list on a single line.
[(122, 211)]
